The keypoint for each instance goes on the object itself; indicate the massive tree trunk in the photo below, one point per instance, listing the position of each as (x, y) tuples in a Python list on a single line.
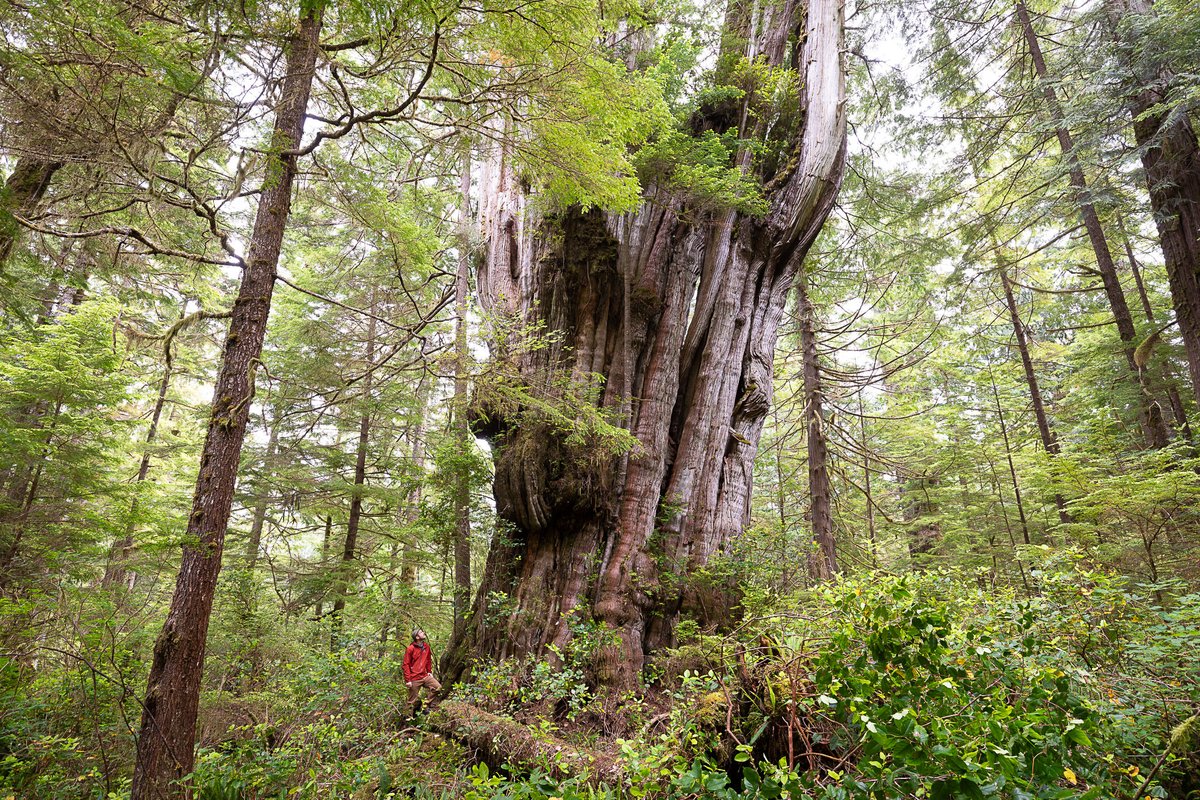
[(1171, 161), (1154, 427), (166, 740), (676, 306)]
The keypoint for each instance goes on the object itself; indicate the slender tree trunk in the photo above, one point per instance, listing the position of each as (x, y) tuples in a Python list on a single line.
[(1012, 540), (349, 549), (862, 422), (464, 441), (923, 536), (116, 572), (677, 307), (822, 561), (326, 543), (781, 494), (262, 501), (1170, 158), (23, 498), (408, 561), (1012, 468), (1048, 437), (1153, 425), (166, 740)]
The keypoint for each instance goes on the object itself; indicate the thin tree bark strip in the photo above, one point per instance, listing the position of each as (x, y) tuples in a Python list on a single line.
[(1168, 374), (1045, 432), (463, 439), (116, 572), (254, 543), (822, 560), (1012, 467), (166, 740)]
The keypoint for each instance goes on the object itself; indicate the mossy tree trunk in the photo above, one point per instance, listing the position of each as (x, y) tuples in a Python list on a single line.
[(677, 307), (166, 740)]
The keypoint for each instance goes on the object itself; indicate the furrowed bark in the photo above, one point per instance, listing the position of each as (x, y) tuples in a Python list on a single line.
[(24, 189), (677, 307), (166, 741), (504, 743)]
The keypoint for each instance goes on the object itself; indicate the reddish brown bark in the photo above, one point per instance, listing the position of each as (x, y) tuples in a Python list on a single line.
[(677, 307), (167, 737)]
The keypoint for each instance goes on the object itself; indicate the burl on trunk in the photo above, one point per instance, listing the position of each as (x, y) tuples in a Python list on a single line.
[(677, 307)]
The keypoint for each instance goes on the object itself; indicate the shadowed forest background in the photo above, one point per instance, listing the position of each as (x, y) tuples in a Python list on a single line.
[(756, 399)]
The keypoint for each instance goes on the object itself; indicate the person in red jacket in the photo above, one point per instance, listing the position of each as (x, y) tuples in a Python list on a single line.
[(418, 669)]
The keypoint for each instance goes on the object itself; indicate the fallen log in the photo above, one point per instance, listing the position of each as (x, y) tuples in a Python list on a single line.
[(502, 742)]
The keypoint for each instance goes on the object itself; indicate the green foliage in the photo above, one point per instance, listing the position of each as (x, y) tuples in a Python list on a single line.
[(703, 169), (61, 427), (560, 683), (928, 686), (565, 404)]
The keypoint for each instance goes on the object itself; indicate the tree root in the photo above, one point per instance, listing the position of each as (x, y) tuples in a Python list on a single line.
[(503, 742)]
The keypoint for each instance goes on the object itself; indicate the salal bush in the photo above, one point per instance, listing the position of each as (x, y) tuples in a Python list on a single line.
[(929, 685)]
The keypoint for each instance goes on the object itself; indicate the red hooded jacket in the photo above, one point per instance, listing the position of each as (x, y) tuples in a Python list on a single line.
[(418, 661)]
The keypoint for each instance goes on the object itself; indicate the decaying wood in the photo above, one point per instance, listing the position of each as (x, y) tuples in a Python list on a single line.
[(504, 742)]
